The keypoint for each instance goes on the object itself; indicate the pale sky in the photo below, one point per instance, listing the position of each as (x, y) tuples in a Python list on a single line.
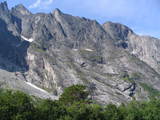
[(143, 16)]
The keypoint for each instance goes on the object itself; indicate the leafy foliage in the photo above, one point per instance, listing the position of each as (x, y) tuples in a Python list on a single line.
[(73, 105), (152, 92), (15, 106), (75, 93)]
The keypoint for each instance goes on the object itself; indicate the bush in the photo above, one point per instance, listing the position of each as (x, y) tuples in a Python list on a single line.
[(15, 106), (75, 93), (73, 105), (49, 110)]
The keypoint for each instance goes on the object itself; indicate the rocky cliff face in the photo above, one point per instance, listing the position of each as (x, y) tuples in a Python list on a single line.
[(42, 54), (146, 48)]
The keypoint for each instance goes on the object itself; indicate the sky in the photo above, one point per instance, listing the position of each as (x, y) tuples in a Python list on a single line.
[(142, 16)]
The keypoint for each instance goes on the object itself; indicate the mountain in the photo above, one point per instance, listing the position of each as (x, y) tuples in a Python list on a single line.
[(41, 54)]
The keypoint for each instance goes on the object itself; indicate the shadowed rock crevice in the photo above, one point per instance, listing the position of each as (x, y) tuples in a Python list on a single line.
[(12, 49)]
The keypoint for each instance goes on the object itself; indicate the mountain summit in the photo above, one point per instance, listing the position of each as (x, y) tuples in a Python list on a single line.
[(41, 54), (21, 10)]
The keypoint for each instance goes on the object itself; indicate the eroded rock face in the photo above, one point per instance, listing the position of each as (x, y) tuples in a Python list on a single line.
[(146, 48), (11, 46), (58, 50)]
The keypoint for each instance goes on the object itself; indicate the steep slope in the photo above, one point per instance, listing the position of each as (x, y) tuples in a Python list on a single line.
[(56, 50), (11, 46), (146, 48)]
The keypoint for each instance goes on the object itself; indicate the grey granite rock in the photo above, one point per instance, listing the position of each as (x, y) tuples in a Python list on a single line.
[(42, 54)]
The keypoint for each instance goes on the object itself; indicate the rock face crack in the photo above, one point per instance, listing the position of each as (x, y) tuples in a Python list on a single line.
[(57, 50)]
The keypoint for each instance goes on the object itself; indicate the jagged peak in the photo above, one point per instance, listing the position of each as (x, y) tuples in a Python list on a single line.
[(117, 30), (57, 14), (115, 24), (57, 11), (21, 9), (21, 6), (110, 24), (3, 3), (4, 6)]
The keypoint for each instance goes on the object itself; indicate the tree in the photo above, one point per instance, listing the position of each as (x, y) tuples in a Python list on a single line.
[(112, 112), (151, 110), (50, 110), (15, 105), (82, 111), (132, 111), (75, 93)]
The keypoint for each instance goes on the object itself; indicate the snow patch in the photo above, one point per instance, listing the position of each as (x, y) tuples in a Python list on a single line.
[(32, 85), (75, 49), (27, 39), (88, 49)]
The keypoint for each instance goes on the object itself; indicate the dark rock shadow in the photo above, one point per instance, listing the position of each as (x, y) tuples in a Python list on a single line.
[(13, 51)]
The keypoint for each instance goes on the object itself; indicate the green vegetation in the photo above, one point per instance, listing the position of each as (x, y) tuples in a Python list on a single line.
[(72, 105), (15, 106), (37, 48), (75, 93), (136, 75), (152, 92), (127, 78), (131, 78), (91, 56)]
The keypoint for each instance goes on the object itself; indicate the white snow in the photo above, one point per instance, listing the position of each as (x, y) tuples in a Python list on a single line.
[(27, 39), (88, 49), (32, 85), (75, 49)]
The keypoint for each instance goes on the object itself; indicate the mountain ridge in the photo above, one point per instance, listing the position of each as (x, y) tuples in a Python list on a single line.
[(57, 50)]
